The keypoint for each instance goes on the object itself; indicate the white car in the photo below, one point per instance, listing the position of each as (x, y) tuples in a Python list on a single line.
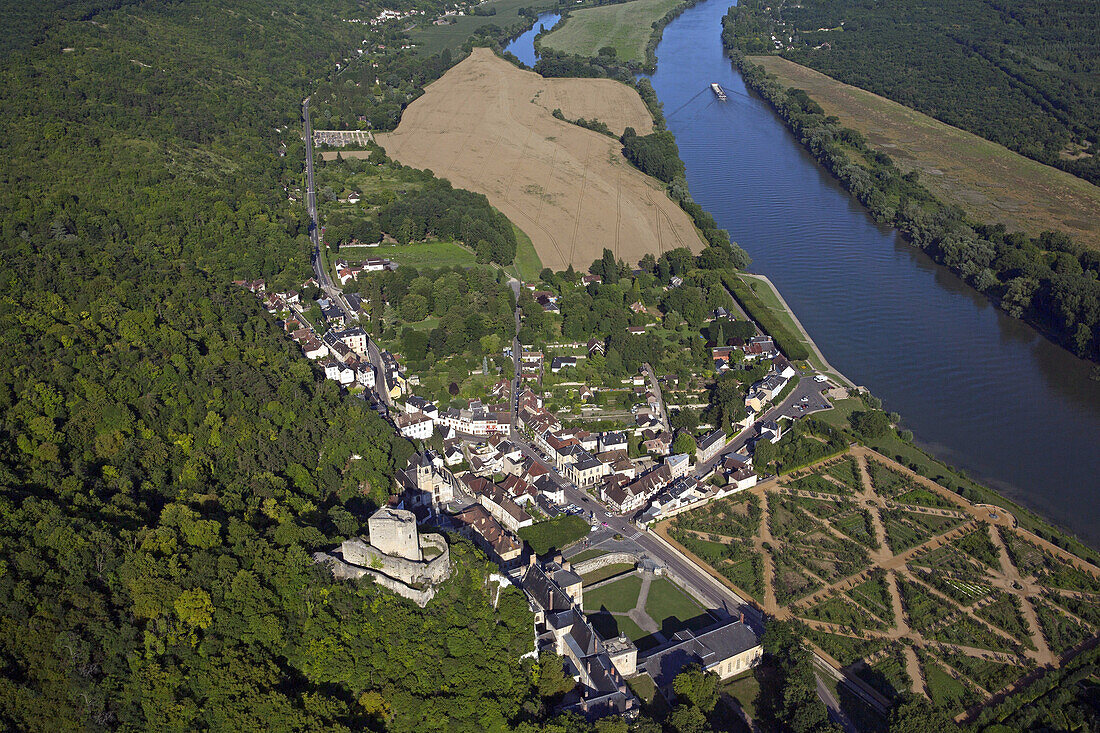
[(821, 378)]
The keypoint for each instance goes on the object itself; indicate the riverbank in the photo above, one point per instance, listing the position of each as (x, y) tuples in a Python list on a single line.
[(784, 312), (1013, 271)]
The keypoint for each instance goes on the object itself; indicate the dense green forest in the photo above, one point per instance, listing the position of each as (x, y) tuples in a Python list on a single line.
[(1025, 74), (169, 459), (1049, 280)]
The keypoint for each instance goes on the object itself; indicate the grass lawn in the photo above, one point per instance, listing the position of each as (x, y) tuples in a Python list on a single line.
[(435, 38), (644, 687), (617, 597), (554, 534), (527, 265), (626, 27), (671, 607), (744, 688), (416, 254), (608, 571)]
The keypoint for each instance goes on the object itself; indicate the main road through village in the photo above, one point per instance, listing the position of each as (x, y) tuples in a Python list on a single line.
[(614, 531)]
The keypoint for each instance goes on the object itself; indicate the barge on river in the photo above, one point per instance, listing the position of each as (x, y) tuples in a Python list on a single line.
[(718, 91)]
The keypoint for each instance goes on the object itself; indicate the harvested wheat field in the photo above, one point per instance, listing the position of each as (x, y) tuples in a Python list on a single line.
[(987, 180), (486, 126)]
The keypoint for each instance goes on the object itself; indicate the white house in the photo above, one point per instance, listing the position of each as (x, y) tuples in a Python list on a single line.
[(416, 426), (364, 374), (314, 349)]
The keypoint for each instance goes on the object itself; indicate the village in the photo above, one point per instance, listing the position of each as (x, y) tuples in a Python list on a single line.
[(560, 508)]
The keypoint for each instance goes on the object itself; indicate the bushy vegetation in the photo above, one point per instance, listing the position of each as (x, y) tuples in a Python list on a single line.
[(789, 343), (1048, 280)]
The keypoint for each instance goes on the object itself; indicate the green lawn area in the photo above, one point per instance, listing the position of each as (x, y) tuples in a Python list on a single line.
[(416, 254), (554, 534), (527, 265), (671, 607), (626, 27), (644, 687), (744, 689), (434, 38), (606, 572), (617, 597)]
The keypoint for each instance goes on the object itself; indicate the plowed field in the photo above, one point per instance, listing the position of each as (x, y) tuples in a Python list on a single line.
[(487, 126)]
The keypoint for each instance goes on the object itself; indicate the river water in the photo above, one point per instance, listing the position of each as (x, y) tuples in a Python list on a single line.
[(523, 46), (980, 390)]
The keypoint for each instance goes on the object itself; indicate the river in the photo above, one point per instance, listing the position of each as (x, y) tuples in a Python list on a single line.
[(980, 390)]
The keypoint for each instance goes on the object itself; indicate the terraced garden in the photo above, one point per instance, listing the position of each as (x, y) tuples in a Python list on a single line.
[(898, 581)]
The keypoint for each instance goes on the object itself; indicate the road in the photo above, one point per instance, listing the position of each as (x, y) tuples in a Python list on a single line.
[(516, 379), (657, 391), (324, 280), (806, 388), (708, 590)]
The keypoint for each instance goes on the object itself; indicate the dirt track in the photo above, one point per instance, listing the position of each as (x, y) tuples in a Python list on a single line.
[(486, 126)]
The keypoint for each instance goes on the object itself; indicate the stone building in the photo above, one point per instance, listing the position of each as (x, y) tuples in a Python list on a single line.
[(395, 555)]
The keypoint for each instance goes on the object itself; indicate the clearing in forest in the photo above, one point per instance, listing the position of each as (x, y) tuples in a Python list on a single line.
[(625, 27), (487, 126), (989, 181)]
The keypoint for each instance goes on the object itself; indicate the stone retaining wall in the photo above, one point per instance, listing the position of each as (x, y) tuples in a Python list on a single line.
[(611, 558)]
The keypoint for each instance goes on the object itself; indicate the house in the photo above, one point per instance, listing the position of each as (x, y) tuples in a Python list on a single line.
[(314, 349), (595, 345), (561, 362), (586, 471), (334, 314), (770, 431), (727, 649), (588, 441), (658, 446), (488, 534), (551, 489), (783, 368), (501, 507), (721, 313), (354, 301), (452, 455), (636, 330), (612, 441), (678, 465), (721, 354), (638, 307), (637, 493), (591, 280), (517, 489), (760, 347), (354, 338), (364, 374), (414, 404), (676, 281), (416, 426), (710, 445), (743, 478), (585, 393)]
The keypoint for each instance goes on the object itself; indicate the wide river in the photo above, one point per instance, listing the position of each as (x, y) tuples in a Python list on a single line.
[(980, 390)]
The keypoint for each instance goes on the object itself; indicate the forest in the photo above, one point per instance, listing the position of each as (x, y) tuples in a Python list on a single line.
[(1022, 74), (1049, 280), (169, 460)]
